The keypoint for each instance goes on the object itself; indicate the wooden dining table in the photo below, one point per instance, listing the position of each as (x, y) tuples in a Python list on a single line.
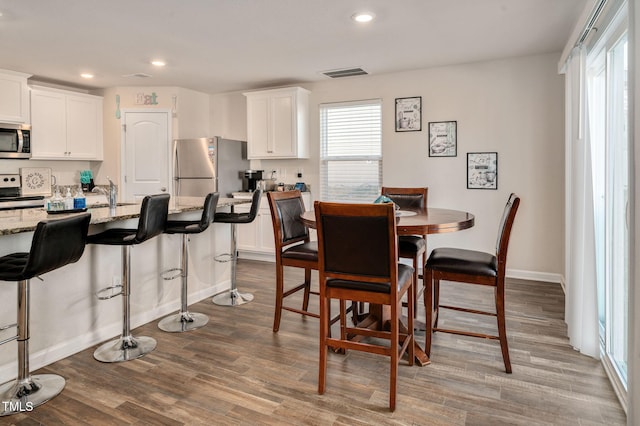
[(412, 222)]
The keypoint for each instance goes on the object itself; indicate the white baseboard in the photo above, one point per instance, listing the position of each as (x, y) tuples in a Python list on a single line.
[(256, 255), (535, 276), (63, 350)]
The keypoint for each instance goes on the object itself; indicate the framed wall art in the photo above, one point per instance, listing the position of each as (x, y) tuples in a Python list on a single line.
[(482, 170), (443, 139), (409, 114)]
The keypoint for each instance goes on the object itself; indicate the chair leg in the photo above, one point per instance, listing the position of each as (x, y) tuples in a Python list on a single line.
[(427, 275), (395, 341), (126, 347), (324, 326), (183, 320), (436, 301), (307, 289), (279, 296), (415, 280), (502, 327), (233, 297), (27, 391)]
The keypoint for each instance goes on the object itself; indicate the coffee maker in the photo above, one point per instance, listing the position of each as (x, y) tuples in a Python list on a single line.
[(251, 178)]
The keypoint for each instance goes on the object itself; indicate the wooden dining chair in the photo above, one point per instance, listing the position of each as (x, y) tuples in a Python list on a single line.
[(357, 259), (293, 248), (412, 247), (471, 267)]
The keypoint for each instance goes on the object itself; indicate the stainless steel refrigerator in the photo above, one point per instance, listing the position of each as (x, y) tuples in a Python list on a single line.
[(206, 165)]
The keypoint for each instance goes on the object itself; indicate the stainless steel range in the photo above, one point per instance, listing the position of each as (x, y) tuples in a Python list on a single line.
[(10, 197)]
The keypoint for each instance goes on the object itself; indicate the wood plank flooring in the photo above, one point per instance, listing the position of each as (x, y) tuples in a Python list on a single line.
[(235, 371)]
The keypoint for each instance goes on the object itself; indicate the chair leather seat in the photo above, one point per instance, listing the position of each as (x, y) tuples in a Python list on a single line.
[(12, 265), (114, 237), (306, 251), (463, 261), (410, 244), (405, 272), (234, 217), (183, 227)]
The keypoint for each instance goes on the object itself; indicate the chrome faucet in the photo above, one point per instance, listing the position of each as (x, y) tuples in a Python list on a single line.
[(112, 193)]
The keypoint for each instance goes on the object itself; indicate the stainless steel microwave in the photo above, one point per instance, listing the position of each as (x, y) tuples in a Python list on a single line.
[(15, 140)]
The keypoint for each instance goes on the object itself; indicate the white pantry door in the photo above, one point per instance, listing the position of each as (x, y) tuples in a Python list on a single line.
[(146, 154)]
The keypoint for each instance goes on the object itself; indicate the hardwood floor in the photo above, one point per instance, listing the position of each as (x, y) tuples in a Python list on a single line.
[(236, 370)]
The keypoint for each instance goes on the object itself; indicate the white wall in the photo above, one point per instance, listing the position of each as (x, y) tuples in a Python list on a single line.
[(513, 106)]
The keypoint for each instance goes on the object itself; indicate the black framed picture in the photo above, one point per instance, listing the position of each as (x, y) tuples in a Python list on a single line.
[(409, 114), (443, 139), (482, 170)]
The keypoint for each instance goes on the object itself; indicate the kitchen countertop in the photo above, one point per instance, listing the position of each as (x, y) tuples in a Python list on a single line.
[(26, 220)]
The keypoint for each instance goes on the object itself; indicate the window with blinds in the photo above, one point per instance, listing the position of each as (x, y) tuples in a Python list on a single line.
[(351, 151)]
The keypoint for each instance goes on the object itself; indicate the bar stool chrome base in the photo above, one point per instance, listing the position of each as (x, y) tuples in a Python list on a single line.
[(183, 321), (232, 297), (124, 349), (24, 395)]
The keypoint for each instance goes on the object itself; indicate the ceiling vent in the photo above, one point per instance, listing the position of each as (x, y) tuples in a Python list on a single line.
[(137, 75), (346, 72)]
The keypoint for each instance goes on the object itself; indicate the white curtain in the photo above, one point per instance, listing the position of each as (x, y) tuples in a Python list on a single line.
[(581, 306)]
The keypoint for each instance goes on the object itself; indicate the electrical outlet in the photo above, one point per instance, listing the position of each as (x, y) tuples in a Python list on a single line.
[(300, 171)]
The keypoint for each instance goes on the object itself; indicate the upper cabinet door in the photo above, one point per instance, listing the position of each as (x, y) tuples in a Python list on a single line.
[(277, 123), (65, 125), (84, 127), (14, 97)]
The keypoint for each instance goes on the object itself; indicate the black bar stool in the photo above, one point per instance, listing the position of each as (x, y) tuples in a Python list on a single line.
[(233, 297), (55, 244), (152, 222), (185, 320)]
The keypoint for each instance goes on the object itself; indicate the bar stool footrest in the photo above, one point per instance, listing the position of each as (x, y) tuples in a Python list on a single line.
[(224, 258), (107, 289), (177, 273), (18, 397)]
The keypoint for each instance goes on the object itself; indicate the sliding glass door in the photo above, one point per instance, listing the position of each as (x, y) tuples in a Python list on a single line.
[(607, 114)]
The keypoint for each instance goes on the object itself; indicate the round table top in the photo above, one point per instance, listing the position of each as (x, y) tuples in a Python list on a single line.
[(423, 222)]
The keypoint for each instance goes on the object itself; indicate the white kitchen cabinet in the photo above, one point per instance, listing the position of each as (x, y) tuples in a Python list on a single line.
[(277, 123), (255, 239), (65, 125), (14, 97)]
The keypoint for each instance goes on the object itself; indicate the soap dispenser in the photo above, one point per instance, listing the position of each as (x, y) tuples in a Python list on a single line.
[(79, 201), (68, 200)]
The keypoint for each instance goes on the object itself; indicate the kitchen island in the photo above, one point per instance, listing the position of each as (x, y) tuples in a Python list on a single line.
[(67, 317)]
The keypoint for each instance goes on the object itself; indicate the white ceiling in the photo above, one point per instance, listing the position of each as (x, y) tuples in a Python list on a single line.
[(217, 46)]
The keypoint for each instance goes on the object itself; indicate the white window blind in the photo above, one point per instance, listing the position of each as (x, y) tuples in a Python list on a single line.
[(351, 151)]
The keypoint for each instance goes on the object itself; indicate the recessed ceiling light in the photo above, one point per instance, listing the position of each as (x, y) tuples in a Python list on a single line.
[(363, 17), (158, 63), (86, 75)]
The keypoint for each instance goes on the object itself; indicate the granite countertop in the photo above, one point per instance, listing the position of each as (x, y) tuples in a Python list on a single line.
[(26, 220)]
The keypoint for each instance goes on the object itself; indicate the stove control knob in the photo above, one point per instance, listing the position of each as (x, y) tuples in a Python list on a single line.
[(13, 179), (6, 179)]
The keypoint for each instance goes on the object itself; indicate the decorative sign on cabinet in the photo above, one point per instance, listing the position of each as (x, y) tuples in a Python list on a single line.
[(14, 97), (277, 123), (65, 125)]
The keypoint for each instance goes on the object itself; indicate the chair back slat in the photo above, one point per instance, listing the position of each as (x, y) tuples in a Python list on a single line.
[(506, 224)]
